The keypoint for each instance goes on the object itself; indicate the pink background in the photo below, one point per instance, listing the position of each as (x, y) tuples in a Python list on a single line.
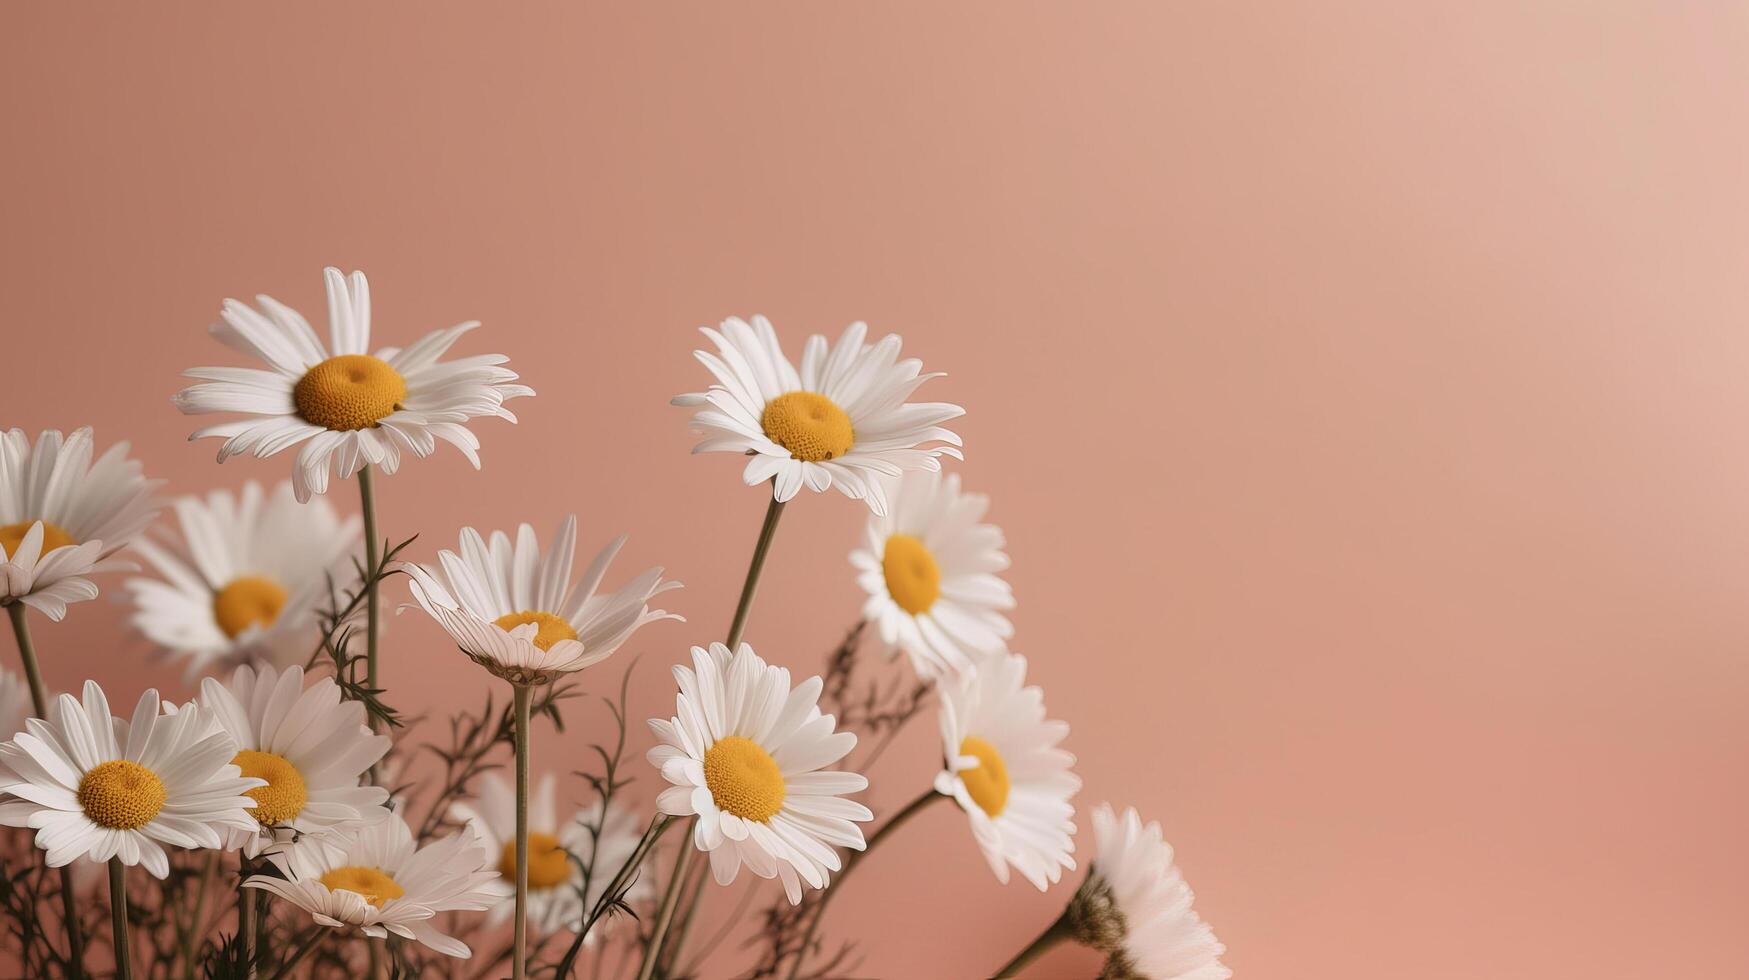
[(1361, 388)]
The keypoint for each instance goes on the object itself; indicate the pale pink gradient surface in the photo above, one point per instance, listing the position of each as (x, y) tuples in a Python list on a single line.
[(1362, 388)]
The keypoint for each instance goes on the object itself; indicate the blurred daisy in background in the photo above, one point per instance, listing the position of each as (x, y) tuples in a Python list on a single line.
[(1136, 907), (1006, 772), (930, 570), (246, 579), (520, 616), (340, 402), (377, 880), (310, 748), (747, 755), (841, 420), (554, 902), (63, 516), (97, 786)]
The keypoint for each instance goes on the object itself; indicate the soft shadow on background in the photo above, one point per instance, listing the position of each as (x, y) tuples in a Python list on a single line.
[(1361, 388)]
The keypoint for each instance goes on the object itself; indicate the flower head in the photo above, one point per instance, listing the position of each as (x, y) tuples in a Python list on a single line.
[(1136, 908), (97, 786), (344, 404), (747, 754), (555, 902), (376, 879), (521, 617), (1006, 772), (63, 516), (308, 746), (930, 570), (841, 420), (246, 579)]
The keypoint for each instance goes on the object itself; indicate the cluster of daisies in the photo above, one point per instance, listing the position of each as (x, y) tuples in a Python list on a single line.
[(281, 764)]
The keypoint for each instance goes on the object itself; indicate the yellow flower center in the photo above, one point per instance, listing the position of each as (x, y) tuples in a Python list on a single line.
[(54, 536), (743, 778), (913, 578), (352, 391), (548, 864), (809, 425), (373, 883), (550, 629), (284, 795), (121, 795), (988, 784), (249, 601)]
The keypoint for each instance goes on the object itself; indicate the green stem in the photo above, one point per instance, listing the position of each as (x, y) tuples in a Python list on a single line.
[(653, 949), (246, 918), (304, 949), (519, 942), (743, 608), (118, 919), (367, 503), (39, 700), (1055, 933), (893, 823)]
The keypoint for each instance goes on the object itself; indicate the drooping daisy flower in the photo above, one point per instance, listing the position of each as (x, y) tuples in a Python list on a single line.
[(340, 401), (519, 616), (97, 786), (930, 571), (842, 419), (309, 746), (247, 580), (1005, 770), (376, 879), (63, 517), (1136, 908), (747, 756), (553, 878)]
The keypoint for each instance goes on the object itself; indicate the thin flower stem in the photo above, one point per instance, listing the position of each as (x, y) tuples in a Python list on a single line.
[(893, 823), (653, 949), (750, 585), (39, 700), (1055, 933), (304, 949), (246, 918), (743, 608), (367, 503), (519, 942), (118, 919)]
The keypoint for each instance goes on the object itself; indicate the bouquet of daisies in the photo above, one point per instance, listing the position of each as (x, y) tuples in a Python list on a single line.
[(281, 823)]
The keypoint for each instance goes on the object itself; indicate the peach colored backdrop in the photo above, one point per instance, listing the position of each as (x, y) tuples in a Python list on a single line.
[(1362, 387)]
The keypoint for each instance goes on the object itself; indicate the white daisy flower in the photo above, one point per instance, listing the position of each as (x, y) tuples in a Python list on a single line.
[(14, 703), (842, 419), (63, 517), (97, 786), (520, 616), (247, 580), (340, 401), (1006, 772), (1136, 907), (376, 879), (554, 880), (309, 746), (747, 756), (930, 570)]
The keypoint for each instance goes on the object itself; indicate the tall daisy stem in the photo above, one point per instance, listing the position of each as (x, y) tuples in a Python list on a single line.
[(246, 898), (118, 919), (304, 949), (750, 585), (647, 968), (743, 608), (367, 503), (893, 823), (1055, 933), (39, 700), (519, 942)]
